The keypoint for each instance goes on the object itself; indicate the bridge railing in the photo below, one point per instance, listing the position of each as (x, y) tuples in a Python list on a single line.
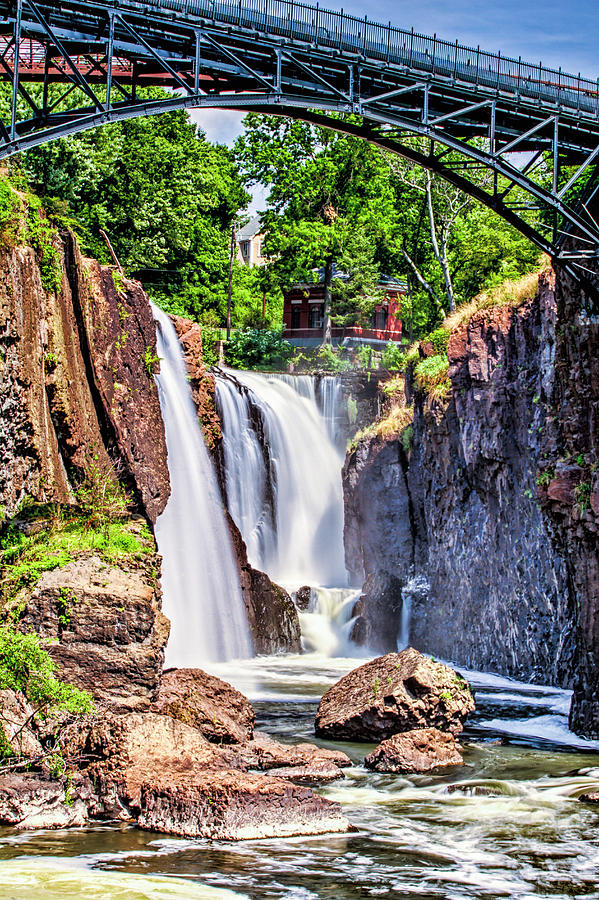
[(327, 28)]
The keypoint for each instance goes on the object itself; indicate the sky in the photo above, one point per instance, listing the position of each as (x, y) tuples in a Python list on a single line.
[(559, 32)]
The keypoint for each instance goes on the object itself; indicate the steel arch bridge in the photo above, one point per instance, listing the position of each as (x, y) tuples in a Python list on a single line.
[(536, 130)]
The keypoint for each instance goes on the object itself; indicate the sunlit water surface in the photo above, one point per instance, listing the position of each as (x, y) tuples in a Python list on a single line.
[(507, 824)]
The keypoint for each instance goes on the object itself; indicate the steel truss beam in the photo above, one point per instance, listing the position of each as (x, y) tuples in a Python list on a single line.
[(270, 68)]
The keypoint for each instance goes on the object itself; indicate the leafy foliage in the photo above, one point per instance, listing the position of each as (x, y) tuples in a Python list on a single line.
[(25, 666), (251, 348), (431, 376)]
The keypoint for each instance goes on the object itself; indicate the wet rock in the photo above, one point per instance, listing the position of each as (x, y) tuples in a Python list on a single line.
[(265, 753), (423, 750), (219, 711), (226, 805), (16, 721), (32, 801), (320, 772), (106, 626), (459, 503), (303, 598), (272, 614), (168, 777), (592, 798), (394, 693)]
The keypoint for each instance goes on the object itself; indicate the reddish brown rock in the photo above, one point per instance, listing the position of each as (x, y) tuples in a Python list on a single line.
[(201, 381), (562, 488), (227, 805), (118, 335), (219, 711), (394, 693), (265, 753), (33, 801), (320, 772), (75, 381), (168, 776), (16, 722), (423, 750), (592, 797), (105, 625)]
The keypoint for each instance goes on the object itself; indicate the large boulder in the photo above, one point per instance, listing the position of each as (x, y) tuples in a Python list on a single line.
[(105, 626), (423, 750), (231, 805), (207, 703), (394, 693), (168, 777)]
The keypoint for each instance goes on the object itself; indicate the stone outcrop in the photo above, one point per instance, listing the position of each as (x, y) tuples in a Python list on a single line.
[(167, 777), (16, 722), (105, 626), (34, 801), (220, 712), (462, 497), (76, 381), (265, 753), (394, 693), (201, 382), (272, 614), (226, 805), (423, 750)]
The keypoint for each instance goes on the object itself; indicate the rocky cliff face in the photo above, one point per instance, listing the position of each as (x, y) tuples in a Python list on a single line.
[(569, 491), (461, 507), (76, 381), (77, 394)]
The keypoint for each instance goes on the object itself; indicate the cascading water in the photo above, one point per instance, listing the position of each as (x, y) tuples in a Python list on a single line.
[(284, 485), (201, 591)]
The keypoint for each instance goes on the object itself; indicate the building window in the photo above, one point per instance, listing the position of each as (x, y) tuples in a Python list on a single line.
[(381, 319), (295, 317), (245, 249), (315, 315)]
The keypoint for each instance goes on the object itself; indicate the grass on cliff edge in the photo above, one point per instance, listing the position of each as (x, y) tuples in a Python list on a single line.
[(54, 541)]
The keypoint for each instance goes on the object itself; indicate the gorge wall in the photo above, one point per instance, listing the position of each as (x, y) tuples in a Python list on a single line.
[(77, 394), (493, 500)]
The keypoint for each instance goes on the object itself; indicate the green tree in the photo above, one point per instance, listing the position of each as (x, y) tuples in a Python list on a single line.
[(324, 188), (165, 196)]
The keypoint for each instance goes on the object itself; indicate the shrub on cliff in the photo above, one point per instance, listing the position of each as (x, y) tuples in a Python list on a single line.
[(431, 376), (26, 667)]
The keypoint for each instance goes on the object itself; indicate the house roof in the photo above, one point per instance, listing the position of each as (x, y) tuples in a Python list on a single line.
[(247, 232)]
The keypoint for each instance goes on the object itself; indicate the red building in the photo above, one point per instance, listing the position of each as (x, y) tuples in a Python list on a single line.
[(303, 316)]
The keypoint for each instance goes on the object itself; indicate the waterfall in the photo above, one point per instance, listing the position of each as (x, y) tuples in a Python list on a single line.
[(200, 584), (326, 624), (283, 476), (415, 588)]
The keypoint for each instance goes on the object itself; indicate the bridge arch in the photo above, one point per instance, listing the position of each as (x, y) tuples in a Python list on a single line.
[(286, 58)]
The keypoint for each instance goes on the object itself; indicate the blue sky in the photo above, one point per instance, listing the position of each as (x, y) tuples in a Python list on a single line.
[(559, 32)]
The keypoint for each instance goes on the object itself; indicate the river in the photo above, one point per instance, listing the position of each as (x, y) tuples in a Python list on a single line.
[(507, 824)]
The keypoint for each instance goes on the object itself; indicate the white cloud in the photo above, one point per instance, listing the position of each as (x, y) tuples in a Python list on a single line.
[(222, 126)]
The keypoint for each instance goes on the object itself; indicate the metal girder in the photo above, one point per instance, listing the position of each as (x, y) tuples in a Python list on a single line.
[(294, 60)]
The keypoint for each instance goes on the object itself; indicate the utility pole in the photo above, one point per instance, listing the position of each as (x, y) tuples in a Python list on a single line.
[(233, 242)]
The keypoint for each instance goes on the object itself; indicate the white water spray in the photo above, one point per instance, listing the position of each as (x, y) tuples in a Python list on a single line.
[(288, 504), (201, 592)]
